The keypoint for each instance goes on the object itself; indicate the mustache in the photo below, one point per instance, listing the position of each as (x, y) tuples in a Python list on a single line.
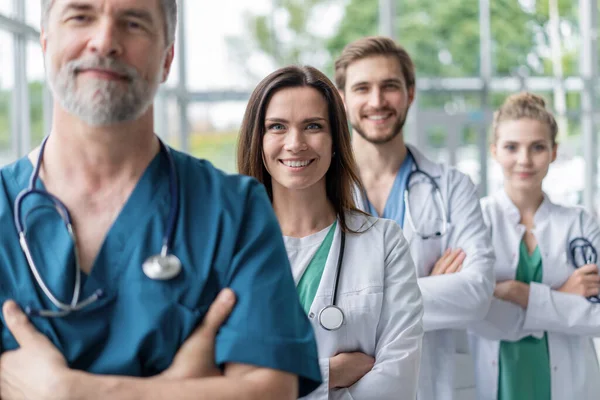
[(379, 110), (110, 64)]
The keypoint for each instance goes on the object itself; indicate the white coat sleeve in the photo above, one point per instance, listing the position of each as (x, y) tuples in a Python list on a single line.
[(322, 391), (399, 331), (504, 321), (555, 311), (453, 301)]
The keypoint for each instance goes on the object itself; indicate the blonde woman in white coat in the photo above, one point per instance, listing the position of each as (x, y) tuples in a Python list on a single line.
[(536, 341), (295, 140)]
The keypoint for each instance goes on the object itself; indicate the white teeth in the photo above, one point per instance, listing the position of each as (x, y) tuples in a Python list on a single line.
[(296, 164), (378, 117)]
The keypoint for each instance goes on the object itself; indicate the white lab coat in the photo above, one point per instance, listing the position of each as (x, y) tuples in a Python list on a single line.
[(381, 302), (452, 301), (570, 320)]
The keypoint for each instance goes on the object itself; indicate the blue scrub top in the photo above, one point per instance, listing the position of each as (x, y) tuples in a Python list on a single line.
[(394, 205), (226, 236)]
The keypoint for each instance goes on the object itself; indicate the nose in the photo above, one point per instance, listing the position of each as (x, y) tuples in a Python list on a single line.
[(524, 156), (295, 141), (376, 99), (105, 40)]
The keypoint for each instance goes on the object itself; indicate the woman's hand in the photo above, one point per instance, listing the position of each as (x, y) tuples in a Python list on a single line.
[(345, 369), (584, 281), (513, 291), (450, 262)]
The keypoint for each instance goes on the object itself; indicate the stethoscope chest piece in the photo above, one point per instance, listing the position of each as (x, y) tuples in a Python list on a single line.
[(331, 318), (162, 267)]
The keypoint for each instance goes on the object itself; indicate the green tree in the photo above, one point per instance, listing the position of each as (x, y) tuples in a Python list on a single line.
[(442, 37)]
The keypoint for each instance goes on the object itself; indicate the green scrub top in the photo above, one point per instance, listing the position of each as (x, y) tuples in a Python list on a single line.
[(309, 283), (524, 366), (227, 235)]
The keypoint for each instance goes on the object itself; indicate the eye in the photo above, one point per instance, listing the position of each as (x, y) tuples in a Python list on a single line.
[(361, 89), (79, 18), (314, 126), (539, 147), (133, 25), (390, 86), (510, 147), (275, 127)]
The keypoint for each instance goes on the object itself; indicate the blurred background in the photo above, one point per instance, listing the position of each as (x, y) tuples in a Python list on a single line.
[(469, 55)]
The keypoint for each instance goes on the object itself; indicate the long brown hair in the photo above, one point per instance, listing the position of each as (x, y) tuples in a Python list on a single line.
[(341, 178)]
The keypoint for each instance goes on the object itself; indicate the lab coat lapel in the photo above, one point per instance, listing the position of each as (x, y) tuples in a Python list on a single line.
[(324, 294)]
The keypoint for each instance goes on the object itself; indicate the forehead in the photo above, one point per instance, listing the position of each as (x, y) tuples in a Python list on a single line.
[(108, 6), (524, 130), (297, 102), (374, 69)]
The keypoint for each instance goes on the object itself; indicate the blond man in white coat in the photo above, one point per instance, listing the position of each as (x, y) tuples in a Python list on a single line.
[(448, 239), (536, 340)]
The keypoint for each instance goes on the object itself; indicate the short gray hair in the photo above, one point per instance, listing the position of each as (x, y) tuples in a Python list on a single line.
[(169, 8)]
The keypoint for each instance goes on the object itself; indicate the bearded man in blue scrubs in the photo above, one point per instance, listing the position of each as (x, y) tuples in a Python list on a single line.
[(103, 162)]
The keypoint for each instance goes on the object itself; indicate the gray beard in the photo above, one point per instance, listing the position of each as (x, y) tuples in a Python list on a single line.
[(100, 102)]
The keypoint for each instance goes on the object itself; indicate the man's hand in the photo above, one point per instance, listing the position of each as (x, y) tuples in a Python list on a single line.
[(345, 369), (450, 262), (34, 370), (196, 357), (584, 281), (513, 291)]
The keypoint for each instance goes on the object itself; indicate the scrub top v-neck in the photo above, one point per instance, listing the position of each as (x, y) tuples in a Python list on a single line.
[(524, 367), (226, 236), (394, 206)]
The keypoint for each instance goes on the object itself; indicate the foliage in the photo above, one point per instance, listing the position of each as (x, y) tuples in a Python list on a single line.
[(442, 37)]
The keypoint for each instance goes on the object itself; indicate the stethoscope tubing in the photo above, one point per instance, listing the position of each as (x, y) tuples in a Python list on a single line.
[(75, 304)]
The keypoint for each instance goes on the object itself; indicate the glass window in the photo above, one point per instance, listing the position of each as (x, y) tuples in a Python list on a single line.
[(6, 86), (33, 12), (6, 7), (35, 82), (214, 132)]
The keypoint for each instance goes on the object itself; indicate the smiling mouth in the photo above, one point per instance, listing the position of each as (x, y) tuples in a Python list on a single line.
[(296, 164), (379, 117), (104, 74)]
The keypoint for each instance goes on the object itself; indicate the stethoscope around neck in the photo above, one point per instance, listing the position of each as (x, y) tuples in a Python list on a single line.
[(162, 266), (438, 199), (331, 317)]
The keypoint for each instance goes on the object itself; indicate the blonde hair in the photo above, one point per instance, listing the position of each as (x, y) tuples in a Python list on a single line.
[(525, 105), (374, 46)]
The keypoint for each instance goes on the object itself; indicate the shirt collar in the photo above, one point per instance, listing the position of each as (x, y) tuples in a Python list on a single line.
[(513, 214), (423, 163)]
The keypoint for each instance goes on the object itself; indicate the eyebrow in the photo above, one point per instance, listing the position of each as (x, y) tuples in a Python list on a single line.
[(139, 14), (306, 120), (541, 141), (131, 12), (76, 6), (390, 80)]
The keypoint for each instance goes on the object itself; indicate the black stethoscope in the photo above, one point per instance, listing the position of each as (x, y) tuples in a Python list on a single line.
[(582, 252), (162, 266), (438, 197), (331, 317)]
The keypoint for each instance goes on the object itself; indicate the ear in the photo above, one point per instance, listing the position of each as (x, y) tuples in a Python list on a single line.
[(493, 150), (43, 40), (411, 95), (554, 151), (170, 55), (341, 92)]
